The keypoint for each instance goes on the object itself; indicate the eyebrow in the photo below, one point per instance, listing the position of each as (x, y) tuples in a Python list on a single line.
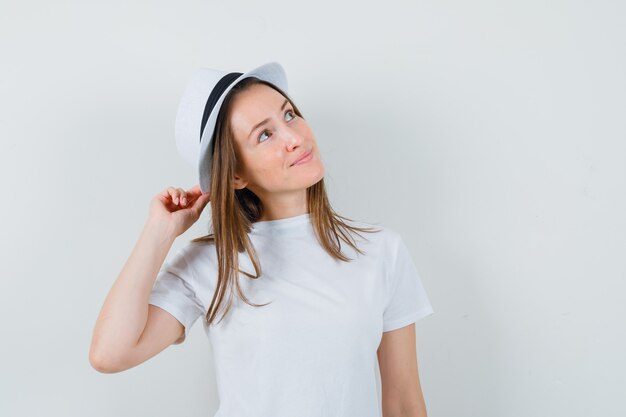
[(261, 123)]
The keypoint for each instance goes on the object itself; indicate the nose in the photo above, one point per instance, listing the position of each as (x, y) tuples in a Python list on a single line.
[(292, 137)]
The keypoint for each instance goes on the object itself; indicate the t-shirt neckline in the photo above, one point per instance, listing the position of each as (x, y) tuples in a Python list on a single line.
[(285, 224)]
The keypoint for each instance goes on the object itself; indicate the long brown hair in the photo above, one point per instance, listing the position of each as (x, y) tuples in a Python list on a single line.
[(234, 210)]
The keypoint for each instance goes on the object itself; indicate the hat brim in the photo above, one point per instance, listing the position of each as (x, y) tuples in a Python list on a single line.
[(271, 72)]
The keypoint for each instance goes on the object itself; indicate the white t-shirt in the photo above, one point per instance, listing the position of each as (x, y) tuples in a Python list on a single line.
[(311, 352)]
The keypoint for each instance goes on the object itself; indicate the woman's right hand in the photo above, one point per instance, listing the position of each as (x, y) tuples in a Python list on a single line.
[(176, 209)]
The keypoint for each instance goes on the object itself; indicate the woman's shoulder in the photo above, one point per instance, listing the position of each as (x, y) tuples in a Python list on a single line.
[(199, 254), (380, 234)]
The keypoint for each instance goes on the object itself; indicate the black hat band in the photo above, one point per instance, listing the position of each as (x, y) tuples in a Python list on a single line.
[(219, 88)]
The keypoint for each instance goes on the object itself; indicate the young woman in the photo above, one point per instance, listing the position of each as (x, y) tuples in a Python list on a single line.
[(308, 299)]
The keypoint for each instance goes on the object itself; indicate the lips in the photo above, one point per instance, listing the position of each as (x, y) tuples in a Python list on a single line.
[(304, 155)]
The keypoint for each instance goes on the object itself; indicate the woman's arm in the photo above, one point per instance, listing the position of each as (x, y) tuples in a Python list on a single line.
[(124, 315), (401, 390)]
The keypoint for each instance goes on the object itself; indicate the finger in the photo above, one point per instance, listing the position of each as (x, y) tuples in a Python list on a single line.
[(172, 194), (195, 191), (200, 202), (167, 192), (181, 197)]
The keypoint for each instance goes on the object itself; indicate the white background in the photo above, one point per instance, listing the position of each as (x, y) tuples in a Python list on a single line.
[(490, 134)]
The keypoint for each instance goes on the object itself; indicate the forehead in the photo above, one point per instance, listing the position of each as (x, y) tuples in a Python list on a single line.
[(253, 105)]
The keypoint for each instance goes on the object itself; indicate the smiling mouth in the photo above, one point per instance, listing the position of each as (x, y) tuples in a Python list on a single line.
[(305, 157)]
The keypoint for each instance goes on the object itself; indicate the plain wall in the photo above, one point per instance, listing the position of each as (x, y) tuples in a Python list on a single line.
[(490, 134)]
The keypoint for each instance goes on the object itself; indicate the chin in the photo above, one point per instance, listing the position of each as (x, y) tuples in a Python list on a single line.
[(307, 181), (305, 176), (317, 178), (314, 172)]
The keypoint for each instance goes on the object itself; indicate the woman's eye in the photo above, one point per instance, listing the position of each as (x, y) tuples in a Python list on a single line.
[(293, 116), (262, 133)]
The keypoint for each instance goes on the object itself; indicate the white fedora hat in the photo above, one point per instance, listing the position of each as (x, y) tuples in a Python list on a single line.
[(200, 105)]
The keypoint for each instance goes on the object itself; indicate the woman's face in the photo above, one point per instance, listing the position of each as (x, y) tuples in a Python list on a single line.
[(269, 138)]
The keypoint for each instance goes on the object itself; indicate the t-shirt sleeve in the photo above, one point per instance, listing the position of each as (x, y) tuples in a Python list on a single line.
[(174, 291), (407, 301)]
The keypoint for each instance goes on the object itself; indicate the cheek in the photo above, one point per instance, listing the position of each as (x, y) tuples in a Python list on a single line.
[(267, 169)]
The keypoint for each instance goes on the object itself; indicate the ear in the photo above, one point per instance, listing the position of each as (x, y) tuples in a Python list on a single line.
[(239, 182)]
